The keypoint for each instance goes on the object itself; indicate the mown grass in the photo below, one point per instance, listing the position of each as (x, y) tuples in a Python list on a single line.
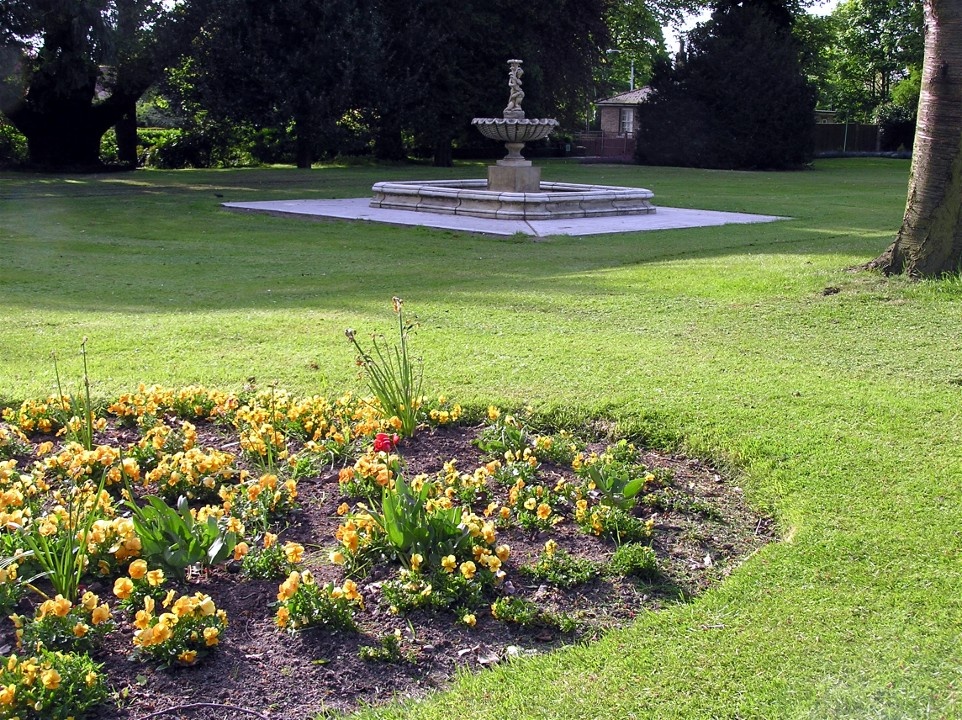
[(833, 395)]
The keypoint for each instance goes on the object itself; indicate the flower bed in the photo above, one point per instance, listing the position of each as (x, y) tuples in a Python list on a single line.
[(293, 554)]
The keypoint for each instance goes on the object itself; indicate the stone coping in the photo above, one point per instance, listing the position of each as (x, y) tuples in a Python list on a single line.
[(472, 198)]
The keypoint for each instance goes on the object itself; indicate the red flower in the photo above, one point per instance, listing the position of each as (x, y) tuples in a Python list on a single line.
[(385, 443)]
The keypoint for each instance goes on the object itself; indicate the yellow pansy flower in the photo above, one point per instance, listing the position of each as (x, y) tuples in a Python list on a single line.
[(50, 679), (137, 569)]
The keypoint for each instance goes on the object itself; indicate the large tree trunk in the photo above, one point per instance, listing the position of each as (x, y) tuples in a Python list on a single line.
[(388, 140), (126, 129), (442, 153), (66, 140), (929, 243), (303, 140)]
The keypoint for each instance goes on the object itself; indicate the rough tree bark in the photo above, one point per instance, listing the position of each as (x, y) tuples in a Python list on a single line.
[(929, 243)]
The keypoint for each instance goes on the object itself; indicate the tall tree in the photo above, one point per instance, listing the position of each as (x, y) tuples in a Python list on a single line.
[(738, 100), (442, 64), (284, 63), (71, 69), (929, 243), (875, 44)]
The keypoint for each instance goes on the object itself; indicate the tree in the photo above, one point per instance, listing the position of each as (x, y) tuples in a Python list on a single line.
[(875, 45), (71, 69), (280, 64), (739, 98), (440, 64), (929, 242)]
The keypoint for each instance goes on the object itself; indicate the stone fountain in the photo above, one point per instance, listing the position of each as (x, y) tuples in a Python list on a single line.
[(513, 173), (513, 190)]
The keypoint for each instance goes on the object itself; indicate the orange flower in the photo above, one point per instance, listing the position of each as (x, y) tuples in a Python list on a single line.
[(211, 636), (100, 614), (50, 679), (240, 550), (137, 569), (123, 587), (294, 552)]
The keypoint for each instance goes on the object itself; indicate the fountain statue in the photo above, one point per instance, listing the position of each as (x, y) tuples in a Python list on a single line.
[(513, 190), (513, 173)]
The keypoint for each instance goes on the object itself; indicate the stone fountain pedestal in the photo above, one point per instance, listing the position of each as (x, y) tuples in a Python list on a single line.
[(512, 178)]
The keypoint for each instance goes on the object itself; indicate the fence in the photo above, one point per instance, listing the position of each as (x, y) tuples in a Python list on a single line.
[(848, 137), (599, 144)]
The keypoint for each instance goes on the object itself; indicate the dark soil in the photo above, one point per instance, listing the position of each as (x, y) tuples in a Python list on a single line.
[(263, 672)]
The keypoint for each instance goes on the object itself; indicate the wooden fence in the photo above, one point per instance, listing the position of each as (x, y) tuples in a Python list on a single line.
[(599, 144)]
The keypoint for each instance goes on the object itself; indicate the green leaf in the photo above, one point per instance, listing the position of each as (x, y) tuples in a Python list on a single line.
[(633, 488)]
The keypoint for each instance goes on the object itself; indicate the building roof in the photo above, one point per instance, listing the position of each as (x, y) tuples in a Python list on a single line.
[(632, 97)]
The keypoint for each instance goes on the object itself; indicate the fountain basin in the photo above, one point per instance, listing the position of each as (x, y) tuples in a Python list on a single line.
[(472, 198)]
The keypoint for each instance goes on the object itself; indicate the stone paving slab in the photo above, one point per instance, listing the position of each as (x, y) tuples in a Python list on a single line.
[(359, 209)]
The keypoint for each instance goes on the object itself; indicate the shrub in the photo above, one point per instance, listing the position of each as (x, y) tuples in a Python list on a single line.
[(11, 586), (439, 590), (612, 522), (61, 625), (505, 434), (270, 561), (389, 649), (560, 568), (12, 441), (634, 559), (738, 101), (524, 612), (13, 145)]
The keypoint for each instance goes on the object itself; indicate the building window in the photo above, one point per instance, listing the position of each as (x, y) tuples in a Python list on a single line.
[(627, 123)]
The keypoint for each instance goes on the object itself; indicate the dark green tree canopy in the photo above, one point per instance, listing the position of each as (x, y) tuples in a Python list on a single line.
[(419, 70), (283, 62), (71, 69), (738, 99)]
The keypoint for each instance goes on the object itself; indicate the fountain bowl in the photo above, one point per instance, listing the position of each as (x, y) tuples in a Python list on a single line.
[(515, 130)]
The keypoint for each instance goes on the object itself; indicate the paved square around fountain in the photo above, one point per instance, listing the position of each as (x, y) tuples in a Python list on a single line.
[(663, 218)]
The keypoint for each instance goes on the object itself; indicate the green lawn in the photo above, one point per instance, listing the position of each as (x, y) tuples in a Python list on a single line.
[(838, 412)]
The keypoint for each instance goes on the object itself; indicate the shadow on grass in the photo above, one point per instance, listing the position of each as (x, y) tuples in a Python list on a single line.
[(159, 241)]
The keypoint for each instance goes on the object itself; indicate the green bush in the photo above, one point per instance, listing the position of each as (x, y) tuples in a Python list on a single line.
[(561, 569), (634, 559), (13, 145)]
